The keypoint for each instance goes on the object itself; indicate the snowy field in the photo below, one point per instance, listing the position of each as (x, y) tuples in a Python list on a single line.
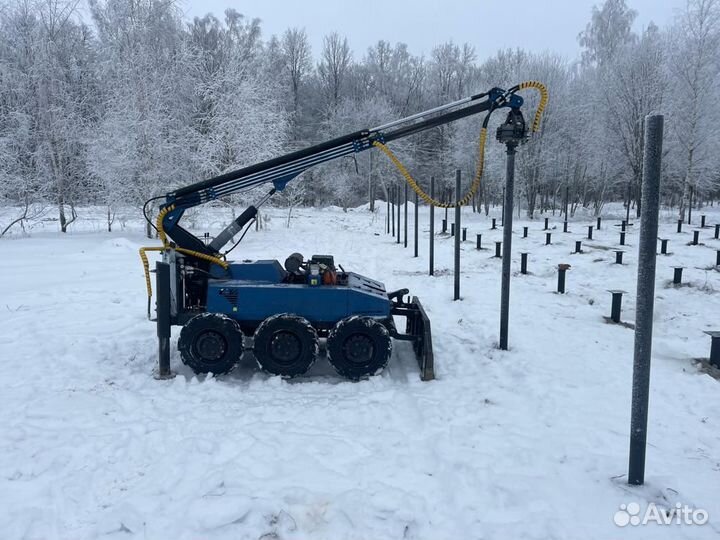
[(530, 443)]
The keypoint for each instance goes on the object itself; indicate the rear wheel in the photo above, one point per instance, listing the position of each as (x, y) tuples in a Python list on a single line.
[(285, 345), (358, 347), (210, 342)]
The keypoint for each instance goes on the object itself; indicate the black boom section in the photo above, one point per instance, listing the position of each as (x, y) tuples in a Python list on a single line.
[(294, 162), (438, 121)]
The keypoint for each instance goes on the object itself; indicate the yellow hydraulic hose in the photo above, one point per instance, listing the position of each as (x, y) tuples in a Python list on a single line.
[(203, 256), (159, 223), (424, 196), (540, 87), (166, 245), (146, 265)]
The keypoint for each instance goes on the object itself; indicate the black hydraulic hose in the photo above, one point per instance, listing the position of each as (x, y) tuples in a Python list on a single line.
[(144, 210), (247, 228)]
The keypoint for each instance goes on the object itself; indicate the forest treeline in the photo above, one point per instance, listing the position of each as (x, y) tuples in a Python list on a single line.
[(127, 100)]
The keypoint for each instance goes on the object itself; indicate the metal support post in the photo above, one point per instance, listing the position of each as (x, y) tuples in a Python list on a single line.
[(650, 211), (677, 275), (392, 204), (431, 262), (562, 269), (456, 296), (616, 305), (416, 225), (406, 221), (714, 347), (399, 204), (162, 284), (508, 205)]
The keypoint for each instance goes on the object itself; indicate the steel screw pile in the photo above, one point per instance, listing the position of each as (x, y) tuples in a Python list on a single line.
[(677, 275), (616, 305), (714, 347), (562, 268)]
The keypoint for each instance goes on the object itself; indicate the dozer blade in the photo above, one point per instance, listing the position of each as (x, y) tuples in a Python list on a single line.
[(417, 330)]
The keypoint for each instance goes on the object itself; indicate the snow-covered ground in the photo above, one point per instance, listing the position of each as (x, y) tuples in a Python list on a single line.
[(529, 443)]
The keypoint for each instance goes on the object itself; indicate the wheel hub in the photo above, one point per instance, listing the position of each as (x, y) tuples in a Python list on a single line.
[(210, 346), (359, 349), (285, 347)]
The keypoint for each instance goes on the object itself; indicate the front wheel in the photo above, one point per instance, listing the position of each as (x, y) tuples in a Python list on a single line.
[(211, 342), (358, 347)]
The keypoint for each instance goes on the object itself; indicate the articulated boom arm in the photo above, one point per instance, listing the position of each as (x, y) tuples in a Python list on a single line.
[(280, 170)]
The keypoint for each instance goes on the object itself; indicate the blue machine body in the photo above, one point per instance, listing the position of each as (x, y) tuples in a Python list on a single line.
[(252, 291)]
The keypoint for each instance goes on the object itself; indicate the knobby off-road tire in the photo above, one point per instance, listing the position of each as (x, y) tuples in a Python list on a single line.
[(359, 347), (211, 343), (285, 344)]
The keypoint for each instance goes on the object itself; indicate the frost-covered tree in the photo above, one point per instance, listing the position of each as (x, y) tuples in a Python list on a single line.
[(143, 141), (693, 53), (609, 30), (297, 62), (634, 87), (333, 70), (47, 59)]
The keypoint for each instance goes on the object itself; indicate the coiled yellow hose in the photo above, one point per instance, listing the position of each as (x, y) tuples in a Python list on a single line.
[(540, 87)]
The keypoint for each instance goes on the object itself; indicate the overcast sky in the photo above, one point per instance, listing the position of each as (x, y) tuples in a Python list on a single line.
[(534, 25)]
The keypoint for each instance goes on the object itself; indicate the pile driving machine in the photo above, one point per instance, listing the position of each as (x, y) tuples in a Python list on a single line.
[(287, 308)]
